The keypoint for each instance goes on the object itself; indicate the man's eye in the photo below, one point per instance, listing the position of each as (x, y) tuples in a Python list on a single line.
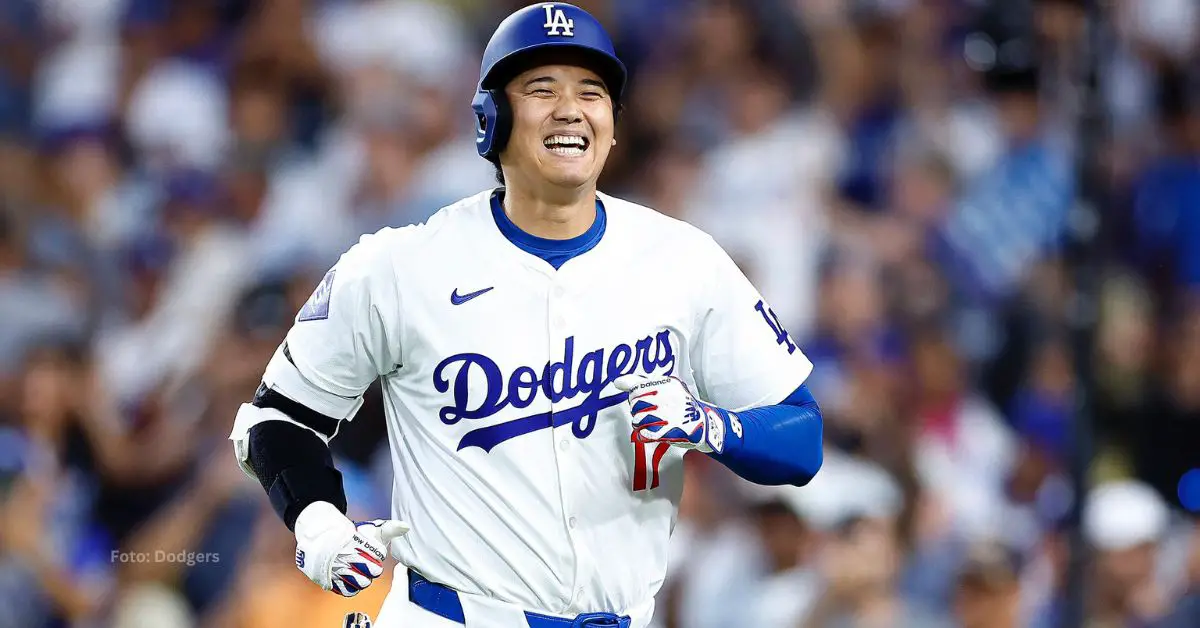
[(593, 95), (543, 92)]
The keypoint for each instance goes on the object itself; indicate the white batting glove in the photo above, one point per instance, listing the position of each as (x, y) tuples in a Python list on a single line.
[(664, 411), (341, 555)]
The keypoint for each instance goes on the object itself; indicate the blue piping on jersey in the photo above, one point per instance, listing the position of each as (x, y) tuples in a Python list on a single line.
[(780, 444), (555, 252)]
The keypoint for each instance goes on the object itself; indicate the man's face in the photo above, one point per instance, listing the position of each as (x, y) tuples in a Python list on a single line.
[(562, 126), (1121, 571), (782, 535), (983, 604)]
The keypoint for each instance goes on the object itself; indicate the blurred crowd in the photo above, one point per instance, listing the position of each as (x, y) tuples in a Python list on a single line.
[(912, 183)]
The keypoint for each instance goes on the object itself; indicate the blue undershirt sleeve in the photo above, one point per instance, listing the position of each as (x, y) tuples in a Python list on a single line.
[(775, 445)]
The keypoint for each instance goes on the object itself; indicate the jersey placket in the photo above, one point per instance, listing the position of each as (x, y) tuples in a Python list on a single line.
[(565, 445)]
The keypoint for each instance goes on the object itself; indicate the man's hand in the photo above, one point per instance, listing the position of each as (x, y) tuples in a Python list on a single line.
[(664, 411), (341, 555)]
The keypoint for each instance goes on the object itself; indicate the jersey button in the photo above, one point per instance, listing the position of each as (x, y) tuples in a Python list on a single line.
[(563, 444), (559, 291), (571, 522)]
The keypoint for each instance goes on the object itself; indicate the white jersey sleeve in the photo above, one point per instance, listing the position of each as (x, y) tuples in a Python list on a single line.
[(345, 336), (742, 356)]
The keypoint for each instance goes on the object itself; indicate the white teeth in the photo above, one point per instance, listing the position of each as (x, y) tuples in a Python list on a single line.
[(567, 151), (565, 140)]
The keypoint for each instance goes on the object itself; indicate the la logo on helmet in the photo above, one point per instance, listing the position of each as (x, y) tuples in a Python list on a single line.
[(557, 22)]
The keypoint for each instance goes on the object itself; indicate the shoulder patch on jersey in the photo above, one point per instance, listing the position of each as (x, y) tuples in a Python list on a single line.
[(317, 307)]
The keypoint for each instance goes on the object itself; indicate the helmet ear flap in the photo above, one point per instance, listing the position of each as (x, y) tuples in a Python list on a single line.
[(493, 122), (504, 121)]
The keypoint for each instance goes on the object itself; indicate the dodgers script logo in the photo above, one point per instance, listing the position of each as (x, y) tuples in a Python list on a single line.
[(556, 381)]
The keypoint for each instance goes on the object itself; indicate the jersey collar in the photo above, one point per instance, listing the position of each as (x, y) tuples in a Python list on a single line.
[(553, 252)]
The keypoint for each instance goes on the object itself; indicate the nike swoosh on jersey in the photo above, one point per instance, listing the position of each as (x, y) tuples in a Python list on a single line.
[(459, 299)]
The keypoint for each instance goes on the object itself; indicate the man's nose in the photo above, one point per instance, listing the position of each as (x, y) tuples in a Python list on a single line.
[(568, 111)]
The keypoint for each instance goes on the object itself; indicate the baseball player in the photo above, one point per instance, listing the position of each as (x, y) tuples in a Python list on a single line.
[(548, 355)]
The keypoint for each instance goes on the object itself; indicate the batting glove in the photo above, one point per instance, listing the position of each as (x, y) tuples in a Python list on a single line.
[(341, 555), (357, 620), (664, 411)]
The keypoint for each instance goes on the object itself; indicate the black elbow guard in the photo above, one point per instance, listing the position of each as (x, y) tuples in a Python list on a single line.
[(295, 467), (267, 398)]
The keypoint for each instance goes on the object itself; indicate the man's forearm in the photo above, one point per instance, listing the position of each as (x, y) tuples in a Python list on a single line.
[(295, 467), (178, 527), (779, 444), (69, 596)]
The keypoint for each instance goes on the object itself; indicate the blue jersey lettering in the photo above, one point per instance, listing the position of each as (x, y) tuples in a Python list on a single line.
[(558, 380)]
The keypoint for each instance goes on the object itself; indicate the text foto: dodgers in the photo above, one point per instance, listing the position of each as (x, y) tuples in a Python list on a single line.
[(161, 556)]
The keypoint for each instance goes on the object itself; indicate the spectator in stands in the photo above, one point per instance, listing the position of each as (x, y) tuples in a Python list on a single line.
[(989, 589), (1125, 522)]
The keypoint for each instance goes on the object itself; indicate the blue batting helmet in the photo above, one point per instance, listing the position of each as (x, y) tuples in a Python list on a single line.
[(546, 26)]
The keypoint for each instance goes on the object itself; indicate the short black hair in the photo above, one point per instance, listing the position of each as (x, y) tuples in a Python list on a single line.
[(499, 171)]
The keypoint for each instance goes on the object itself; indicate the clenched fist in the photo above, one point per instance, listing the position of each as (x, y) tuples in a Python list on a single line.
[(664, 411), (341, 555)]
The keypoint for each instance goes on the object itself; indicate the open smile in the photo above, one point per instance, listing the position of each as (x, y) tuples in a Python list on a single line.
[(567, 145)]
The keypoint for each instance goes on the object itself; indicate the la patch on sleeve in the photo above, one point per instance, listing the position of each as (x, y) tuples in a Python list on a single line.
[(317, 307)]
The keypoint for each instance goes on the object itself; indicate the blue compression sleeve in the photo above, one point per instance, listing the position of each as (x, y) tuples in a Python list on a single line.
[(779, 444)]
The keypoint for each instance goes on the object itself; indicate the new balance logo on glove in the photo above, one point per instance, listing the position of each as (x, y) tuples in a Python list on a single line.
[(664, 411), (341, 555)]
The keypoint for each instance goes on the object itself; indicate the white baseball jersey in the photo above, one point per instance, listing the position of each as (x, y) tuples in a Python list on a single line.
[(511, 447)]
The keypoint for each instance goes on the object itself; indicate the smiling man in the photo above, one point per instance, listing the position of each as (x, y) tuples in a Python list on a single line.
[(548, 355)]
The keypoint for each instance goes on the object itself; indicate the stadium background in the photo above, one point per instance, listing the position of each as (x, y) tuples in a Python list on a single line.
[(981, 221)]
